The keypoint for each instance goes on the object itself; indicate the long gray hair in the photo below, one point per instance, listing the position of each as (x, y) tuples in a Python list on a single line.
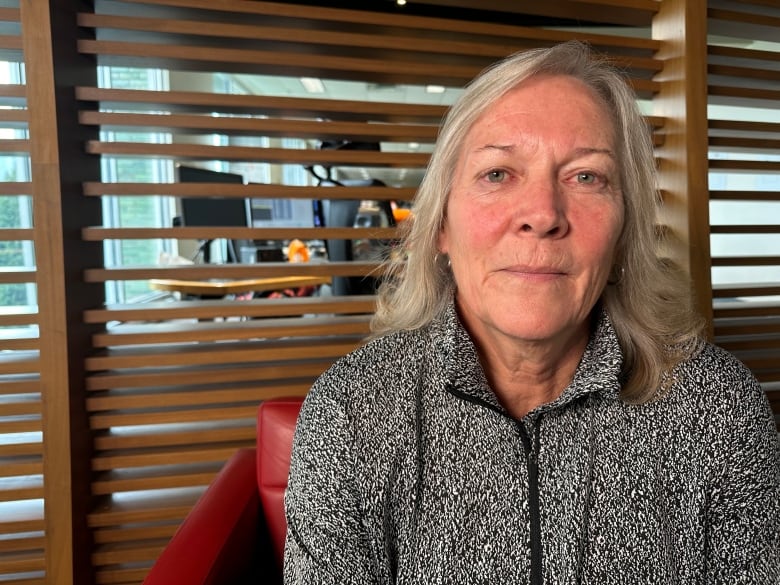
[(648, 302)]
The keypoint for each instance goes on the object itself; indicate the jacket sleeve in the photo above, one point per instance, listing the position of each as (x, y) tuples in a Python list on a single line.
[(744, 535), (326, 539)]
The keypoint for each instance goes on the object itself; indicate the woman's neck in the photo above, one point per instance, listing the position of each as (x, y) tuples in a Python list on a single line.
[(526, 375)]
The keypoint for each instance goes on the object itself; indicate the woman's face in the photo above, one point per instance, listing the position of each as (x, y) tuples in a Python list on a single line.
[(534, 213)]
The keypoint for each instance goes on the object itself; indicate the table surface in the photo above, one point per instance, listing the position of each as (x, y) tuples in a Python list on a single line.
[(227, 287)]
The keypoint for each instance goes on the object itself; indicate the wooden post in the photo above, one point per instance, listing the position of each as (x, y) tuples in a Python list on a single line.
[(59, 166), (681, 26)]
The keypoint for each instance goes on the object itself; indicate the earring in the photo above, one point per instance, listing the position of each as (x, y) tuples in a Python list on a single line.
[(616, 275), (438, 256)]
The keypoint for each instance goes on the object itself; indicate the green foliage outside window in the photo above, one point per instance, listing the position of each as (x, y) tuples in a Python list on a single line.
[(11, 253)]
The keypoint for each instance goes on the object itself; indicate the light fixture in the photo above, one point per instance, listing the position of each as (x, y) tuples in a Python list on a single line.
[(312, 85), (435, 89), (400, 2)]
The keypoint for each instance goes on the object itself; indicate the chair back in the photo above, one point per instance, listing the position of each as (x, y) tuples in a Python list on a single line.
[(276, 421)]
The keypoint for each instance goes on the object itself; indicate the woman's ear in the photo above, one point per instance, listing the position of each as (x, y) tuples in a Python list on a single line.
[(443, 240)]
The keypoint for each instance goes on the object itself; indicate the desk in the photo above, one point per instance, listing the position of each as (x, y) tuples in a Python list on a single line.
[(220, 288)]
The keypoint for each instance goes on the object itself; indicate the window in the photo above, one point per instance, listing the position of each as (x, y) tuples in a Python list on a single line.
[(135, 211)]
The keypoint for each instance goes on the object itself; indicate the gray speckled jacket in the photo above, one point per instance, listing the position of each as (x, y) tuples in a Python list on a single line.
[(407, 470)]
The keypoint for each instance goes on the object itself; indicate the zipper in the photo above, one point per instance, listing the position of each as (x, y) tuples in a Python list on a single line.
[(531, 448)]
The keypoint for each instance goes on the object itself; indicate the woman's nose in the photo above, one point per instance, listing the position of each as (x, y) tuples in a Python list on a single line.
[(541, 212)]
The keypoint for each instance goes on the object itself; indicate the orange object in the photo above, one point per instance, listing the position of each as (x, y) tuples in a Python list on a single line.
[(297, 251), (401, 213)]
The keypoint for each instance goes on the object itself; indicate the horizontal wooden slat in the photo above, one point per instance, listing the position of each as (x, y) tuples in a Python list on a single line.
[(14, 146), (746, 229), (220, 432), (223, 353), (738, 142), (199, 331), (256, 308), (97, 234), (744, 165), (20, 344), (749, 342), (20, 406), (746, 260), (24, 543), (189, 396), (28, 424), (234, 271), (8, 14), (16, 118), (23, 384), (183, 455), (723, 309), (149, 532), (743, 16), (28, 491), (183, 124), (129, 480), (737, 326), (256, 105), (21, 518), (753, 127), (768, 97), (15, 449), (746, 290), (17, 275), (22, 467), (276, 155), (16, 234), (244, 373), (17, 320), (21, 362), (12, 43), (125, 555), (121, 574), (745, 195), (158, 507), (742, 55), (181, 416), (251, 190), (21, 562), (13, 95), (745, 74)]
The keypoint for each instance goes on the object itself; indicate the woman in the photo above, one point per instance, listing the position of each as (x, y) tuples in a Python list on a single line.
[(536, 405)]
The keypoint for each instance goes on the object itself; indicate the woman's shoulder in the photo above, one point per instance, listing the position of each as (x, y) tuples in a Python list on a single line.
[(713, 367), (716, 383), (383, 369)]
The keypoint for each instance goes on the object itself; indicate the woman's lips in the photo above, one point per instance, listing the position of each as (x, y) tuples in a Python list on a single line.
[(536, 273)]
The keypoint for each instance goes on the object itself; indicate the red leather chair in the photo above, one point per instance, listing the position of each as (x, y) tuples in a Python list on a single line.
[(235, 532)]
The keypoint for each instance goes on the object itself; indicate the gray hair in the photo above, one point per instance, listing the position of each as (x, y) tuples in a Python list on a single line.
[(648, 303)]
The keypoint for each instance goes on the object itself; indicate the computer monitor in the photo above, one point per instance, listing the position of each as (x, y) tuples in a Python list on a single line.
[(213, 211)]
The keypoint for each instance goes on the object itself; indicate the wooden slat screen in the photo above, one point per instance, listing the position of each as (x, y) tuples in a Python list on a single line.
[(174, 385), (744, 75), (21, 445)]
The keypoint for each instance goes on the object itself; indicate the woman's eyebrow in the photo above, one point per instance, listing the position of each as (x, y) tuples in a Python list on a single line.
[(577, 153), (500, 147), (585, 151)]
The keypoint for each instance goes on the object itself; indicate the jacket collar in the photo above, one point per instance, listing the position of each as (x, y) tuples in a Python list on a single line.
[(598, 372)]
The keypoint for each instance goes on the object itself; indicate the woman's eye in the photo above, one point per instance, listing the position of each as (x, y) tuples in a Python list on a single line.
[(496, 176), (586, 178)]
